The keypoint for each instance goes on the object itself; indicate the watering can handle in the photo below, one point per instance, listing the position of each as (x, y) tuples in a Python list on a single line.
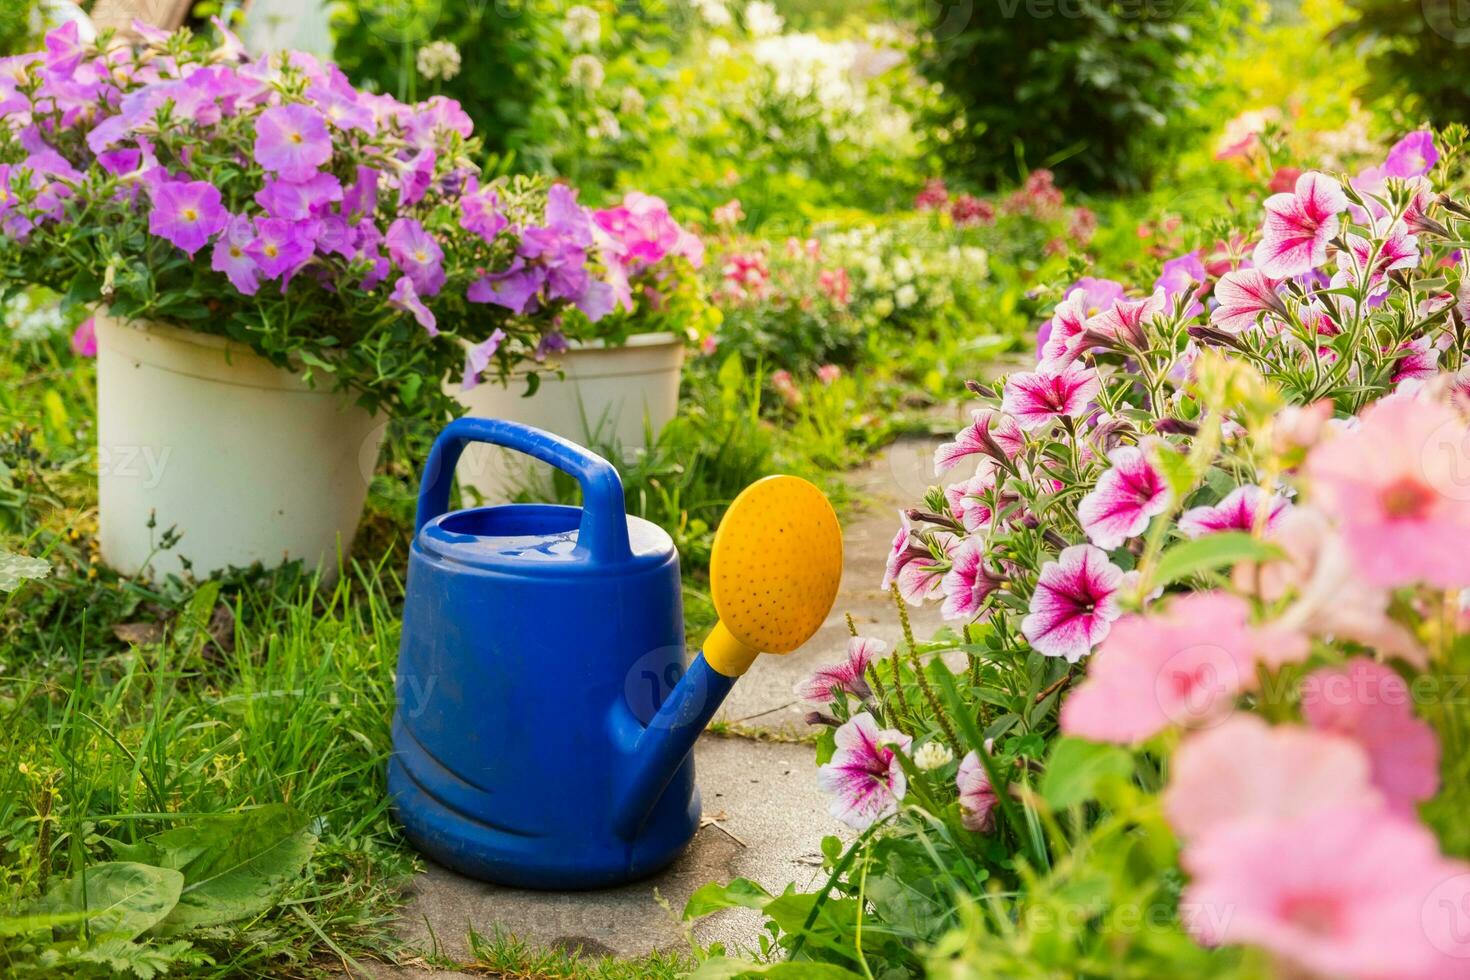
[(604, 531)]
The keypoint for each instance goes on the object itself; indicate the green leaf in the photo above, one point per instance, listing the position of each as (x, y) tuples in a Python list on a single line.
[(1077, 766), (739, 893), (235, 865), (119, 898), (1213, 551)]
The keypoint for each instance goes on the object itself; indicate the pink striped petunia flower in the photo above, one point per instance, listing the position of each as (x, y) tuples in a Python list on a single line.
[(1238, 511), (1075, 603), (1243, 296), (990, 434), (1127, 496), (1299, 225), (967, 582), (1036, 399), (848, 675), (865, 777)]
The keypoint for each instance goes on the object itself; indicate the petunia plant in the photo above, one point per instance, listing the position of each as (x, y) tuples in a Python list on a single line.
[(1205, 565), (335, 231)]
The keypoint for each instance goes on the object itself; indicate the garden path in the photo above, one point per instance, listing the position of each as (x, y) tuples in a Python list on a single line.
[(764, 815)]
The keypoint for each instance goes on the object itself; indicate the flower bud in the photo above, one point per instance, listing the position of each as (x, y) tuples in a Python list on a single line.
[(932, 755)]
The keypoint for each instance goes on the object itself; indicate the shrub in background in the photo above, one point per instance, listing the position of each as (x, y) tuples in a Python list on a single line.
[(1101, 91), (1416, 47)]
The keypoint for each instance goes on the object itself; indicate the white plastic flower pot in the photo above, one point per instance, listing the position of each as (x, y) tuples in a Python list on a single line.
[(608, 396), (244, 460)]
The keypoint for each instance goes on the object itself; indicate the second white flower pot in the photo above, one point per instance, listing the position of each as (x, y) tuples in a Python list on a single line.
[(242, 458), (609, 396)]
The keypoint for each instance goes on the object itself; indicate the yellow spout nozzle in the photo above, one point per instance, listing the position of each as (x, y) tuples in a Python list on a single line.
[(774, 572)]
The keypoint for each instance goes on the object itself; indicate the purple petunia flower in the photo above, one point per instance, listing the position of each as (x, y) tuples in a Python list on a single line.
[(514, 289), (480, 211), (416, 178), (299, 200), (187, 213), (282, 247), (361, 198), (417, 254), (231, 257), (477, 359), (1412, 156), (292, 141), (405, 298)]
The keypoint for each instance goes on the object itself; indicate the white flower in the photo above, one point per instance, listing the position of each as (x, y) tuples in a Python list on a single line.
[(906, 296), (761, 19), (713, 12), (932, 755), (438, 59), (718, 48), (586, 73), (632, 102), (606, 126), (582, 27)]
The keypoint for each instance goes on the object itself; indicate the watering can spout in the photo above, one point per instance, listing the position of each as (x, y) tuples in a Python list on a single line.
[(774, 572), (670, 736)]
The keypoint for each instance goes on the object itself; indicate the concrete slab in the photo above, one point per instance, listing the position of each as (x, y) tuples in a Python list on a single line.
[(895, 479), (764, 820)]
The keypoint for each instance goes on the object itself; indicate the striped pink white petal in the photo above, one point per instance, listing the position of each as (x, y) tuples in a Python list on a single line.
[(1238, 511), (1038, 398), (990, 434), (1126, 498), (864, 776), (977, 797), (1075, 603), (967, 582), (1299, 225), (1242, 297), (1126, 322), (848, 676), (970, 500)]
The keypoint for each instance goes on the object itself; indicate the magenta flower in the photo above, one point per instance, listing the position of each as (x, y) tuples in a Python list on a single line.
[(514, 288), (1038, 398), (480, 211), (967, 582), (1075, 603), (84, 338), (417, 255), (1419, 361), (978, 798), (404, 297), (642, 226), (1127, 496), (1369, 704), (1059, 339), (1412, 156), (231, 256), (991, 434), (1183, 666), (1180, 275), (970, 499), (1245, 769), (416, 177), (187, 213), (1397, 486), (299, 200), (865, 775), (360, 199), (1239, 511), (911, 566), (848, 676), (1299, 225), (292, 141), (64, 49), (1340, 891), (477, 358), (1243, 296), (1126, 322)]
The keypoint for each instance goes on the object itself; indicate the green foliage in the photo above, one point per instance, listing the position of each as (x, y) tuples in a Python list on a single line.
[(1101, 91), (17, 26), (1416, 48)]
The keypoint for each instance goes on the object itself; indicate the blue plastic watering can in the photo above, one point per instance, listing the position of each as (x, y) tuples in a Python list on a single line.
[(545, 719)]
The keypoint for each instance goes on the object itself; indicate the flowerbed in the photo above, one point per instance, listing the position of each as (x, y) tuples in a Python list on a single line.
[(1206, 572)]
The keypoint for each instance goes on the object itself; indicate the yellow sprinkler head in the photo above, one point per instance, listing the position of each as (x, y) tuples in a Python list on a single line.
[(774, 572)]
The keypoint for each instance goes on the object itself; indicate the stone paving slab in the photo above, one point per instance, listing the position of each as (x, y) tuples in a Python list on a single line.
[(764, 820)]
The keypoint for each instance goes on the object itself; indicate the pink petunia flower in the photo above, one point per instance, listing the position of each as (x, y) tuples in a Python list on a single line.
[(84, 338), (967, 582), (1242, 297), (404, 297), (1126, 321), (978, 798), (848, 676), (1239, 511), (1412, 156), (1059, 340), (1183, 274), (417, 255), (1075, 603), (991, 434), (1369, 704), (1036, 399), (292, 141), (1342, 891), (865, 776), (1299, 225), (1127, 496), (1182, 667), (281, 248), (969, 500), (1396, 484), (1420, 361), (231, 257), (1246, 769), (187, 213), (911, 566)]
